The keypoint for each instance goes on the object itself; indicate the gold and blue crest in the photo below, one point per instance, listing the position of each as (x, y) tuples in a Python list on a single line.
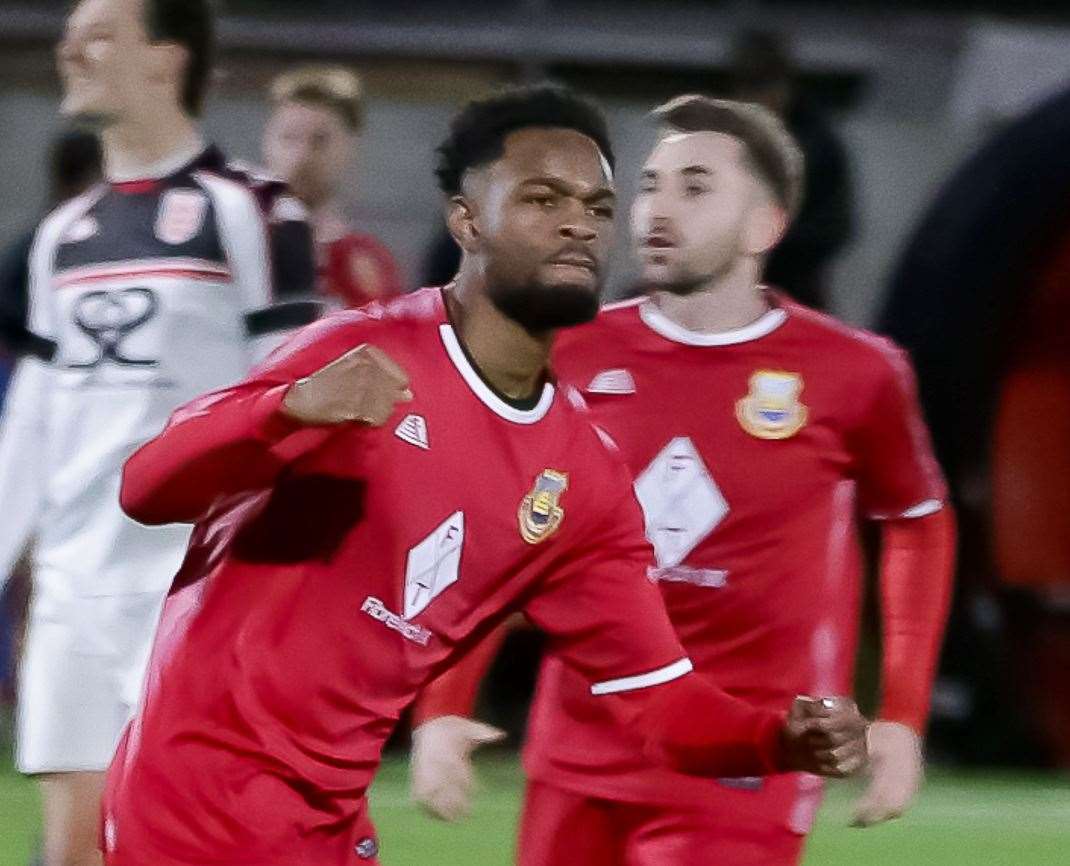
[(540, 512), (771, 409)]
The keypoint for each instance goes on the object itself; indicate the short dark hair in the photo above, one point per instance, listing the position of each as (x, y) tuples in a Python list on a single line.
[(335, 88), (191, 24), (477, 134), (772, 152)]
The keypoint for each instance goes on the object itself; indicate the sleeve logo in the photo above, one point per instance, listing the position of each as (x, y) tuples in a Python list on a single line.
[(771, 409), (181, 215), (540, 513)]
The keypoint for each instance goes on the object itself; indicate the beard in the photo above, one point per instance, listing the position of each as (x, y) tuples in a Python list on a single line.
[(538, 307), (683, 281)]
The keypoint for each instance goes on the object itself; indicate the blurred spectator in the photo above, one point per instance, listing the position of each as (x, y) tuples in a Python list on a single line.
[(74, 166), (981, 297), (309, 141), (762, 71)]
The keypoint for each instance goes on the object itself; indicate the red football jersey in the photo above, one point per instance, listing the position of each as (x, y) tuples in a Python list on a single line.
[(356, 269), (753, 452), (307, 615)]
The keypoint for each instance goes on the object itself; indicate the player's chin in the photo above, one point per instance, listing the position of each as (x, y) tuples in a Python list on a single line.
[(84, 108)]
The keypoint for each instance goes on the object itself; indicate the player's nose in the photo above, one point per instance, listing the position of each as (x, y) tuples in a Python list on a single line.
[(577, 230)]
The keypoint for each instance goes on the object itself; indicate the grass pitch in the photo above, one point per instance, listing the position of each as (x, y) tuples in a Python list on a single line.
[(960, 820)]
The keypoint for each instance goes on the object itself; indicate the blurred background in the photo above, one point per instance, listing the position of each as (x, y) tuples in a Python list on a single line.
[(938, 140)]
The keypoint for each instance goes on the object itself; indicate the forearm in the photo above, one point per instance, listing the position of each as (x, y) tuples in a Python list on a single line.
[(218, 446), (694, 727), (454, 692), (916, 580)]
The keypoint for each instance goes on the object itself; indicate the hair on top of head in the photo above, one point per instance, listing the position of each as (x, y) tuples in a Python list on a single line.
[(772, 152), (190, 24), (477, 134), (333, 87)]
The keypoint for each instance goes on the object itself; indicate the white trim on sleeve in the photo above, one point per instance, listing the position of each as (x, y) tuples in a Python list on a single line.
[(922, 509), (641, 681)]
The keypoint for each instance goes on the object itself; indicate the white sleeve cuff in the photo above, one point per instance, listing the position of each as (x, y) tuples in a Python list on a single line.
[(642, 681)]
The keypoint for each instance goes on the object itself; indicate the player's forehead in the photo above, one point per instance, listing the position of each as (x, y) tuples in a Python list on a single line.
[(306, 116), (112, 13), (565, 156), (680, 151)]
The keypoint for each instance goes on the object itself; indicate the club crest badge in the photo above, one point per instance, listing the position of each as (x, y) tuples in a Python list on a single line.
[(771, 409), (540, 511), (181, 215)]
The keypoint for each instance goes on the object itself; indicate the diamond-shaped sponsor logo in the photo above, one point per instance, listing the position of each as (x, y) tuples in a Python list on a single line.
[(681, 501), (434, 564)]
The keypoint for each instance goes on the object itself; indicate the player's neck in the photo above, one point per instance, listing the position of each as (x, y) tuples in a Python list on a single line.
[(512, 360), (150, 147), (732, 301), (327, 220)]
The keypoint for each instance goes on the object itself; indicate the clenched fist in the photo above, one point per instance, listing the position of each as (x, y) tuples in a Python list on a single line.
[(824, 736), (363, 385)]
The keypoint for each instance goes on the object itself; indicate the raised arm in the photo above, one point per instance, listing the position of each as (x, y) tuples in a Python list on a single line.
[(240, 439)]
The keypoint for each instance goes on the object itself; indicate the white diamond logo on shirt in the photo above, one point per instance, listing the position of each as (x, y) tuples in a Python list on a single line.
[(681, 501), (612, 382), (434, 564), (413, 429)]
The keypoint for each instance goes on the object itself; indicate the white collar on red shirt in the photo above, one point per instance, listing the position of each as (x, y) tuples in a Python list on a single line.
[(662, 324), (483, 391)]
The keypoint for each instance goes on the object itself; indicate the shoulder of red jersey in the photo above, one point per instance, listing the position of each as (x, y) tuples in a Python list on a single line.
[(613, 319), (866, 350)]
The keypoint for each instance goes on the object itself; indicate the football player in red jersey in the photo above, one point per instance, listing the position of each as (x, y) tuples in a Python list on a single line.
[(757, 432), (309, 142), (382, 492)]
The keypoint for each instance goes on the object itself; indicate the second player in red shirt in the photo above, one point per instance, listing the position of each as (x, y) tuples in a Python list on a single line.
[(757, 432)]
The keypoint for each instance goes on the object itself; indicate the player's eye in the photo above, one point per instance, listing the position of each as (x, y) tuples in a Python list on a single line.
[(602, 211), (694, 190), (542, 200), (647, 187)]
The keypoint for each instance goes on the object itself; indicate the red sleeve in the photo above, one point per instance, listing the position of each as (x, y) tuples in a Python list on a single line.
[(894, 466), (916, 575), (607, 619), (234, 440), (454, 692)]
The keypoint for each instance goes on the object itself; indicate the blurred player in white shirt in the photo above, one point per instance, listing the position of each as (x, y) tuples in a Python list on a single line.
[(144, 292)]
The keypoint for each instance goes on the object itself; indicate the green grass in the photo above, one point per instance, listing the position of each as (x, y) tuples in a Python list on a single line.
[(960, 820)]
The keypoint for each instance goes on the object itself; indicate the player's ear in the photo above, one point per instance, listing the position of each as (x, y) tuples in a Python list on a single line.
[(765, 226), (461, 222)]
